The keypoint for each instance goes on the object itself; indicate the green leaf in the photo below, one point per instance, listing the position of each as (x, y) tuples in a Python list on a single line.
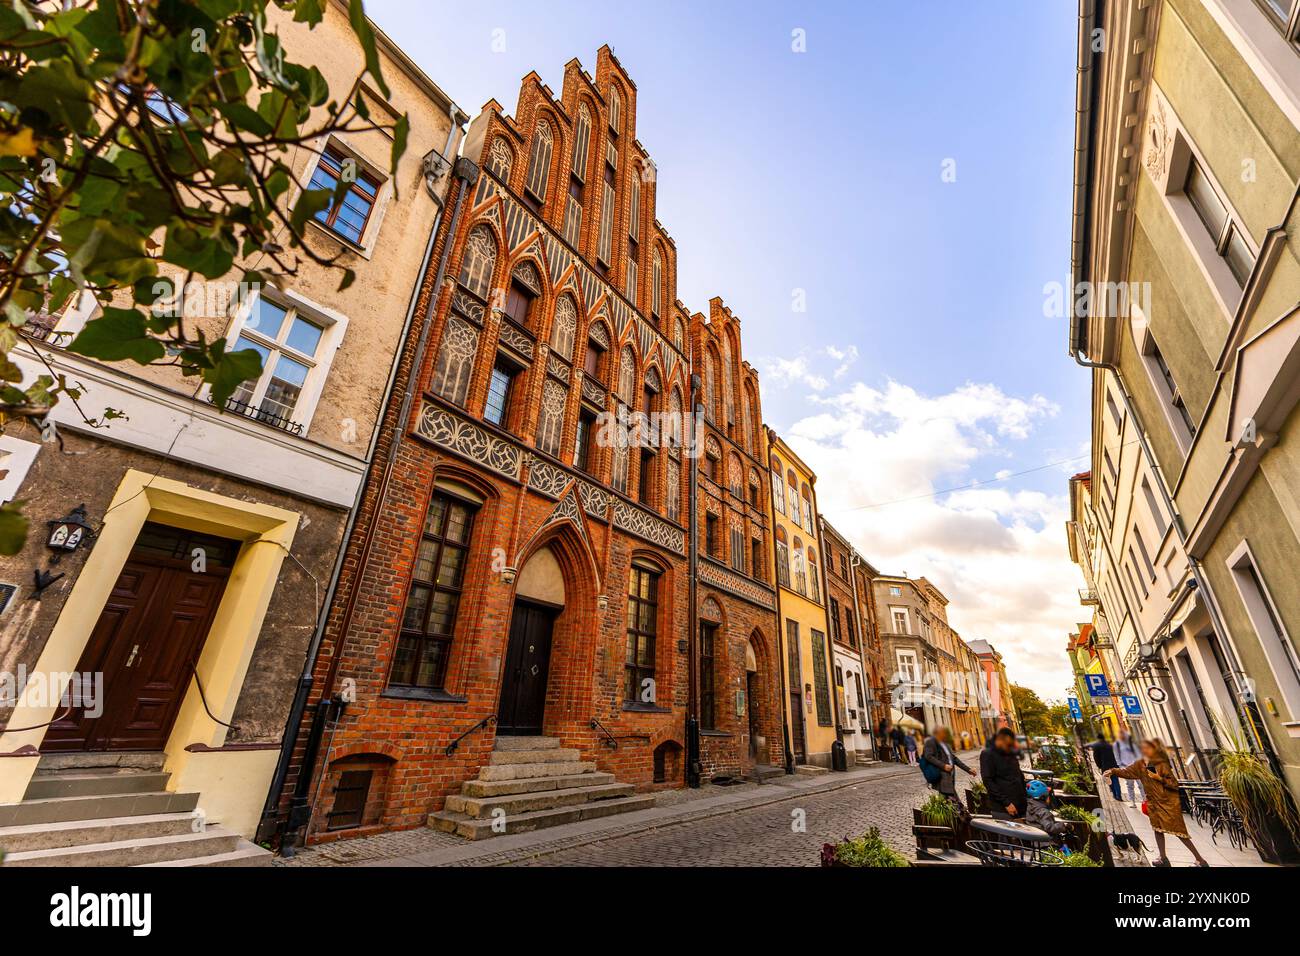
[(230, 370), (401, 132), (208, 255), (13, 528), (366, 36), (308, 205), (117, 335), (308, 11)]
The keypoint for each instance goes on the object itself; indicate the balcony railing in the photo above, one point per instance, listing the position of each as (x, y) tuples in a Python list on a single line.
[(262, 415), (1088, 596)]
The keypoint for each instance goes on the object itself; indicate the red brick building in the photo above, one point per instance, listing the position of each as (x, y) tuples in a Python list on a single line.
[(739, 678), (523, 570)]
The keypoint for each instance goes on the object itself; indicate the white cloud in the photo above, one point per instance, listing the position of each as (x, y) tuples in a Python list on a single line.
[(998, 553)]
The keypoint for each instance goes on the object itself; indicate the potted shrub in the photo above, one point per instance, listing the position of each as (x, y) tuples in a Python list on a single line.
[(977, 798), (1084, 828), (1070, 859), (868, 850), (1261, 799)]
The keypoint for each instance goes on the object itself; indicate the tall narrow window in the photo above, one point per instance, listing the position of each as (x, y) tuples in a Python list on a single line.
[(642, 626), (347, 218), (478, 261), (778, 487), (646, 481), (657, 286), (539, 164), (808, 512), (581, 142), (501, 158), (800, 568), (1156, 514), (782, 559), (564, 328), (634, 213), (429, 618), (756, 559), (605, 243), (708, 699), (1173, 395), (711, 541), (582, 445), (498, 397), (1274, 640), (550, 417), (1229, 239), (794, 500), (738, 549), (814, 576), (455, 364), (821, 679)]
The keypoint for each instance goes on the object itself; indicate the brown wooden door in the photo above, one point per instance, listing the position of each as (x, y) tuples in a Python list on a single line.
[(146, 641), (528, 661)]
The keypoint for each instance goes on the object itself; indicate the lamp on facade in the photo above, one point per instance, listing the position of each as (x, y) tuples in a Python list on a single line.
[(68, 533)]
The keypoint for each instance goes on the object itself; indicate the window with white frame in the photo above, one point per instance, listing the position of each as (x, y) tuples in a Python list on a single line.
[(899, 615), (1285, 16), (1277, 645), (907, 667), (295, 353), (351, 215)]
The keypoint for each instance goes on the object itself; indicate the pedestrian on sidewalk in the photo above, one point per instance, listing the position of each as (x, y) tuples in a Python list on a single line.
[(1103, 755), (1126, 752), (1157, 776), (909, 745), (1000, 771), (884, 741), (898, 739), (940, 763)]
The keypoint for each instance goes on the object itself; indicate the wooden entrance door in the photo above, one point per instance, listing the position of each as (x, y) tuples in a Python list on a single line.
[(528, 661), (148, 636)]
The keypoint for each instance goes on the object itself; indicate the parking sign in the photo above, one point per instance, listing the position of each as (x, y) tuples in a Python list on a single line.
[(1132, 706), (1097, 685)]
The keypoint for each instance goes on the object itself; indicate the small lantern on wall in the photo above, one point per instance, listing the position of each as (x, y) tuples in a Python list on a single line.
[(68, 533)]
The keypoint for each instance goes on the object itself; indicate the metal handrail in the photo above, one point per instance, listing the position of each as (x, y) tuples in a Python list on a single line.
[(609, 740), (451, 747)]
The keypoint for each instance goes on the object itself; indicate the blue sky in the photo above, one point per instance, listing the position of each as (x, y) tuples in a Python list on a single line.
[(924, 360)]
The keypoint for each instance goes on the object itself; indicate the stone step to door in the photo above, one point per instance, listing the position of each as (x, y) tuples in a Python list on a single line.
[(244, 854), (49, 836), (502, 758), (527, 743), (513, 804), (117, 759), (472, 828), (84, 783), (213, 840), (67, 809), (499, 788), (522, 771), (810, 770)]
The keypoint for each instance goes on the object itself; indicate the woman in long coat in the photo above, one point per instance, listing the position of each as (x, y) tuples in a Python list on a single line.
[(1157, 775)]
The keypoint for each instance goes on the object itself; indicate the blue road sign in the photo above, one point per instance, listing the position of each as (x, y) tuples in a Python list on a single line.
[(1132, 706), (1097, 685), (1075, 710)]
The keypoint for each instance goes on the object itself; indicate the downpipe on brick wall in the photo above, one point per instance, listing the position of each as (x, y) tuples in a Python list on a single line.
[(467, 172)]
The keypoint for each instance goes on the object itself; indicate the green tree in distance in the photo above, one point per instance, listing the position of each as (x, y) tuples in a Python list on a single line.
[(141, 139)]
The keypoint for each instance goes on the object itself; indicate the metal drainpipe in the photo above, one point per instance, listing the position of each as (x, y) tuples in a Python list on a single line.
[(467, 172), (306, 680), (783, 692), (693, 624)]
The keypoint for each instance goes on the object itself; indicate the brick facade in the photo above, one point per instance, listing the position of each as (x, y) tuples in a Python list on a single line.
[(736, 595)]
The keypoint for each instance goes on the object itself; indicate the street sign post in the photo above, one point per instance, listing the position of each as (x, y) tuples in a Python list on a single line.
[(1132, 706), (1097, 685), (1075, 710)]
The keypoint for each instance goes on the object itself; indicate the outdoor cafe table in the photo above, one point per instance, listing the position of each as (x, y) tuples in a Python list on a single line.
[(1009, 830)]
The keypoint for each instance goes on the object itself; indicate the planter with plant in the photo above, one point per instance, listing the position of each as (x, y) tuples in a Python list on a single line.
[(1260, 797), (868, 850), (1086, 833), (977, 798), (1070, 859)]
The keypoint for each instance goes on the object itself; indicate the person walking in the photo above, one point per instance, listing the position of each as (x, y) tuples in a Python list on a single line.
[(1104, 757), (1157, 776), (937, 755), (909, 744), (1126, 753), (897, 739), (884, 736), (1000, 771)]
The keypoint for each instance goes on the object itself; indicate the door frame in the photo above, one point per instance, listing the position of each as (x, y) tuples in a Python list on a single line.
[(267, 533)]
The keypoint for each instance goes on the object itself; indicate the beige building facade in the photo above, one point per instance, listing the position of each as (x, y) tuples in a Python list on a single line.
[(1186, 218)]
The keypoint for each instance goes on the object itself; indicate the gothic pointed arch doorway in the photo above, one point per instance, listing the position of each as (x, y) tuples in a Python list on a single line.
[(539, 599)]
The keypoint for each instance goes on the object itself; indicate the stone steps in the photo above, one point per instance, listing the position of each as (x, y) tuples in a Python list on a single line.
[(810, 770), (477, 829), (48, 836), (542, 800), (134, 852), (530, 783), (97, 783), (89, 810)]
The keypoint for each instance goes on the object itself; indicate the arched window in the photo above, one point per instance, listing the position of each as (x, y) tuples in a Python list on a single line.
[(627, 376), (813, 576), (581, 142), (539, 165), (564, 328), (679, 335), (550, 418), (524, 291), (754, 417), (800, 568), (455, 363), (782, 559), (755, 488), (478, 261), (657, 286), (735, 475), (501, 158), (808, 510), (711, 378), (615, 110), (792, 489), (593, 363), (778, 485)]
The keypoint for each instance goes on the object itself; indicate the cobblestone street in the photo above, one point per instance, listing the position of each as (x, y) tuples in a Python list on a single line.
[(766, 836)]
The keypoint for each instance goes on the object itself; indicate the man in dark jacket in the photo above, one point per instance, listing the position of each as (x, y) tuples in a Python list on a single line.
[(1103, 755), (1000, 771)]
